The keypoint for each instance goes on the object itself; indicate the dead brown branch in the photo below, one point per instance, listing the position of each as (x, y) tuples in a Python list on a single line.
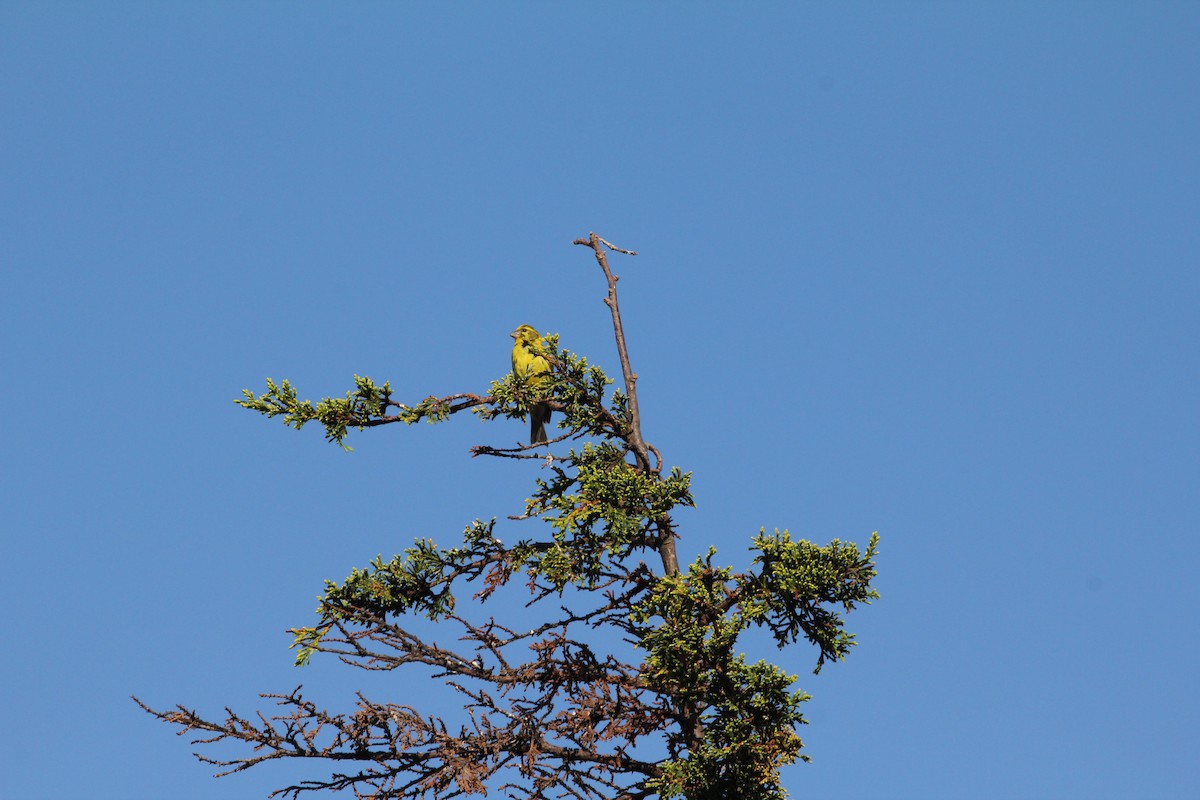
[(641, 450)]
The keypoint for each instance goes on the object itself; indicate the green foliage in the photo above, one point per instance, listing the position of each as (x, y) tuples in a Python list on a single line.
[(308, 640), (749, 735), (796, 583), (366, 402), (690, 624), (602, 508), (577, 388)]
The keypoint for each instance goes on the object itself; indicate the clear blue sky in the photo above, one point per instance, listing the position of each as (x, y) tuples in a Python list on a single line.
[(925, 268)]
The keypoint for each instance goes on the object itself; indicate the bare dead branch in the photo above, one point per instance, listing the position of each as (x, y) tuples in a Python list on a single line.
[(612, 246), (666, 539)]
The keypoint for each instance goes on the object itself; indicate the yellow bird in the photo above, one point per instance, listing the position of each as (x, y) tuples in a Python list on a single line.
[(528, 362)]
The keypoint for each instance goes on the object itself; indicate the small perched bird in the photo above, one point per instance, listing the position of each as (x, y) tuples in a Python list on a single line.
[(528, 362)]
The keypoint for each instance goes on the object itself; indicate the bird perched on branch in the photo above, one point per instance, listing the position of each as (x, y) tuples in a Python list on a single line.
[(529, 363)]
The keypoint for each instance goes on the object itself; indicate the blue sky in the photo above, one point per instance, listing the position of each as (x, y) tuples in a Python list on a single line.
[(930, 269)]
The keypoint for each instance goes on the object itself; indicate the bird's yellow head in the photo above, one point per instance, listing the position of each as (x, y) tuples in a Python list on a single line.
[(526, 334)]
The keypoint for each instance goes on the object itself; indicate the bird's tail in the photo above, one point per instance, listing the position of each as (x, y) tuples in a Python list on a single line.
[(539, 415)]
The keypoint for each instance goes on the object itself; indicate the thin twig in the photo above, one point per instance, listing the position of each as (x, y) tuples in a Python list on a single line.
[(612, 246)]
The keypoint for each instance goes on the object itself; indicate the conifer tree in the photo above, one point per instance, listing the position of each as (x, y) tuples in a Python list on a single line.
[(623, 677)]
